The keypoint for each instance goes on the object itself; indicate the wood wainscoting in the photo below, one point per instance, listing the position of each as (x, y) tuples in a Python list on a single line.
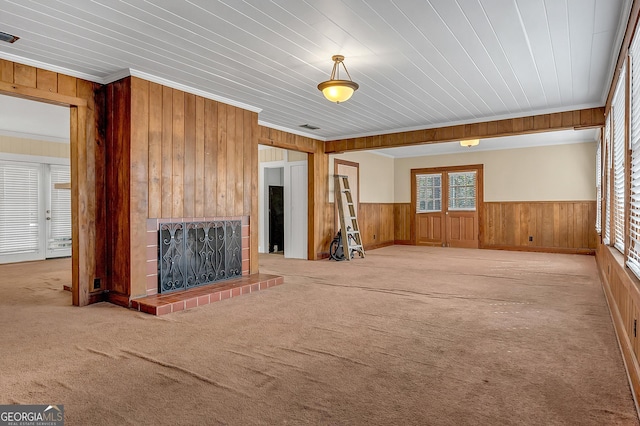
[(376, 224), (549, 226), (555, 226), (402, 232), (622, 290)]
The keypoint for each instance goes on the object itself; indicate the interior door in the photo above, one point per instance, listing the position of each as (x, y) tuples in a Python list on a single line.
[(446, 206), (296, 218)]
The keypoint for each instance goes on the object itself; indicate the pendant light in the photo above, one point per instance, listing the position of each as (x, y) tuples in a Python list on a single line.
[(334, 89), (470, 142)]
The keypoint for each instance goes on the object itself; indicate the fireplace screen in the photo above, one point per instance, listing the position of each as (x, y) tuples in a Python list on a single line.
[(198, 253)]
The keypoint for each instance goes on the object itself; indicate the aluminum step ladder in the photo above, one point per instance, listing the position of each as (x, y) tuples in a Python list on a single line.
[(351, 239)]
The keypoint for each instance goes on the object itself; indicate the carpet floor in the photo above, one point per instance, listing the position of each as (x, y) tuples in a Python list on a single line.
[(407, 336)]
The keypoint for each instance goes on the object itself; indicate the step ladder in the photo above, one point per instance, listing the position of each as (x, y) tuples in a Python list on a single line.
[(351, 239)]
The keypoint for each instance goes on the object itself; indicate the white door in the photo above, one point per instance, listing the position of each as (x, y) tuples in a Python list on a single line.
[(58, 212), (35, 216), (295, 216)]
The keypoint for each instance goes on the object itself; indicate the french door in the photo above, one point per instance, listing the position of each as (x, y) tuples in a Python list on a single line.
[(35, 211), (446, 203)]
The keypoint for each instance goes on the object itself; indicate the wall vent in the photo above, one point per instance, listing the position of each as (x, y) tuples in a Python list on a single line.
[(309, 127), (8, 37)]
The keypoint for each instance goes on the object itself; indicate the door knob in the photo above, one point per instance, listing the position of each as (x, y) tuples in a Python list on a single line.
[(48, 218)]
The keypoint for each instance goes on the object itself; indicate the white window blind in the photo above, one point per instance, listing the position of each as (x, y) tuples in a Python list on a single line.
[(618, 106), (606, 239), (429, 193), (633, 260), (60, 214), (462, 191), (19, 208), (599, 188)]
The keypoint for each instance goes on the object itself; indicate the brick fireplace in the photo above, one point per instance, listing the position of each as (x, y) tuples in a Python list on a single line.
[(159, 304)]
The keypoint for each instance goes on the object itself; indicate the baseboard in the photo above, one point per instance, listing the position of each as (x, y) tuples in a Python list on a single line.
[(403, 242), (96, 297), (563, 250), (377, 245), (118, 299)]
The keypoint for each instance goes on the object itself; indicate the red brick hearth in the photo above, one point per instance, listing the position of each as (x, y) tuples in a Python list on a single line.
[(161, 304)]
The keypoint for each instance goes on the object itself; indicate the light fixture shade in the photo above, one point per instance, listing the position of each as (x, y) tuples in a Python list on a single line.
[(335, 89), (338, 90), (470, 142)]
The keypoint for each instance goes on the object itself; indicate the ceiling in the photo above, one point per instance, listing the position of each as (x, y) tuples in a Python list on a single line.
[(419, 63)]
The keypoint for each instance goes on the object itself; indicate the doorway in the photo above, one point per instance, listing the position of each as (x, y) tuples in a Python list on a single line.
[(352, 171), (446, 202), (286, 170), (35, 180), (276, 218)]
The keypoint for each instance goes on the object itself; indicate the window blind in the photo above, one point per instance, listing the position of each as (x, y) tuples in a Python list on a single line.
[(60, 223), (618, 104), (599, 188), (633, 259), (607, 179), (19, 208)]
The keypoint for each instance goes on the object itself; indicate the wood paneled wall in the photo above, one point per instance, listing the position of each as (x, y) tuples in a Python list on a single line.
[(376, 222), (402, 233), (174, 155), (88, 131), (622, 290), (555, 226), (586, 118)]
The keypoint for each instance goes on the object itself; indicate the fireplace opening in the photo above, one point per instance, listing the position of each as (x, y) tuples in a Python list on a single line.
[(192, 254)]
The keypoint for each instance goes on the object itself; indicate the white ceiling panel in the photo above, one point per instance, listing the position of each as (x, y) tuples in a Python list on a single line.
[(419, 63)]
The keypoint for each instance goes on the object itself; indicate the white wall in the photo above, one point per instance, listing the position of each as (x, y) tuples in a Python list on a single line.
[(548, 173), (376, 176)]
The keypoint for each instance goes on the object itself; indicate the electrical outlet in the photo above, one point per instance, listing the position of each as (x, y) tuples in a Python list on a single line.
[(374, 236), (96, 283), (530, 237)]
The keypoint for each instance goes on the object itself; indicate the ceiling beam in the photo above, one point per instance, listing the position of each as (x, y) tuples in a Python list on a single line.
[(580, 119)]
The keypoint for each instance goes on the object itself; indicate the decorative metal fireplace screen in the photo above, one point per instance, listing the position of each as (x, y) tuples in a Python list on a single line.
[(197, 253)]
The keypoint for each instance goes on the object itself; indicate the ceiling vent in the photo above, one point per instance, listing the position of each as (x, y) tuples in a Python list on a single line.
[(309, 127), (8, 37)]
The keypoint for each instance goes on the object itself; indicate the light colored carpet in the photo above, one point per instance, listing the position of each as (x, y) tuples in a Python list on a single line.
[(409, 335)]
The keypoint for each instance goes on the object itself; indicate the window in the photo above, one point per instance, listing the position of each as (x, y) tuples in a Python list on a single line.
[(429, 193), (633, 259), (599, 188), (618, 106), (462, 191)]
